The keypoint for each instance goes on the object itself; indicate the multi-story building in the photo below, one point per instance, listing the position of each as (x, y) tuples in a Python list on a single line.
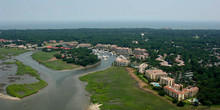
[(172, 92), (122, 61), (142, 68), (155, 74), (53, 41), (101, 46), (190, 91), (113, 47), (3, 40), (123, 50), (84, 45), (167, 80), (177, 86), (138, 51)]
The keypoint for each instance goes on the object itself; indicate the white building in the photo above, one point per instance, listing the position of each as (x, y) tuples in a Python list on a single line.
[(122, 61), (142, 68)]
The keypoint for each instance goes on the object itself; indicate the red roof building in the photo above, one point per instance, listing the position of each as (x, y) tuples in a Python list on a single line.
[(49, 47), (3, 40)]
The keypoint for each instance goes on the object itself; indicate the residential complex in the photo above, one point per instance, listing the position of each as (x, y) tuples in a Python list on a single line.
[(122, 61), (155, 74), (142, 68), (190, 91), (175, 93), (167, 81), (123, 50), (53, 41), (84, 45)]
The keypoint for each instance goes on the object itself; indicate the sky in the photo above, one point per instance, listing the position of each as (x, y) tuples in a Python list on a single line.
[(109, 10)]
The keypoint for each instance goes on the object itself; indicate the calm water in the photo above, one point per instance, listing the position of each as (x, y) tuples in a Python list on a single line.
[(64, 90), (72, 25)]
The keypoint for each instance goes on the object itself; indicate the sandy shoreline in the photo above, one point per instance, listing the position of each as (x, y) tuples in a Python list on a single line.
[(94, 107), (9, 97)]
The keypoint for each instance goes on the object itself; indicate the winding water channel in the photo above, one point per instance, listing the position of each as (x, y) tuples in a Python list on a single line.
[(64, 90)]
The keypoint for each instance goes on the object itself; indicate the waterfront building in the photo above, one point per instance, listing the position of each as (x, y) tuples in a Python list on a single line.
[(122, 61), (123, 50), (155, 74), (190, 91), (142, 67), (172, 92), (167, 80)]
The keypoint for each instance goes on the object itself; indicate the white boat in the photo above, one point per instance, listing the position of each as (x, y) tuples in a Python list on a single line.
[(105, 57)]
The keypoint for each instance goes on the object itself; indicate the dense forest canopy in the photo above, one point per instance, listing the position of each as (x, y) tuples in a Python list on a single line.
[(198, 49)]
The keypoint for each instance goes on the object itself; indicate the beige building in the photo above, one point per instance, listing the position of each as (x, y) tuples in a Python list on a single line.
[(101, 46), (155, 74), (122, 61), (113, 47), (53, 41), (61, 41), (167, 80), (84, 45), (139, 51), (142, 67), (190, 91), (22, 47), (123, 50), (172, 92)]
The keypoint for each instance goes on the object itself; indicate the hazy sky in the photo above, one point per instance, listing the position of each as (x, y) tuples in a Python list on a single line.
[(113, 10)]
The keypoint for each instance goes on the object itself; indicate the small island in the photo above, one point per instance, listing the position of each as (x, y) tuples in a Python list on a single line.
[(18, 80)]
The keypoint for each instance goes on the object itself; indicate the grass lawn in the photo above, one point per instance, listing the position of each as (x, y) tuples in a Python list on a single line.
[(59, 65), (43, 57), (22, 90), (115, 89), (10, 51)]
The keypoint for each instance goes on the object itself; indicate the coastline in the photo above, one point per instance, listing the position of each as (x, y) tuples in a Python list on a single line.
[(94, 106), (81, 67), (9, 97), (142, 85)]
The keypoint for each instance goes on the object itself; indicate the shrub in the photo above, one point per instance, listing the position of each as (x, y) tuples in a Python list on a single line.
[(181, 104), (58, 56), (175, 101), (162, 93), (196, 103)]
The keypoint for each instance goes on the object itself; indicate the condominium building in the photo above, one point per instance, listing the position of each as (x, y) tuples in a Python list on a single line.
[(123, 50), (142, 68), (113, 47), (155, 74), (167, 80), (138, 51), (122, 61), (190, 91), (172, 92), (101, 46), (84, 45)]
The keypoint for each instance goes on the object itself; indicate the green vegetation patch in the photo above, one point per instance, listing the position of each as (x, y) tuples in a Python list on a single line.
[(22, 90), (10, 51), (44, 58), (59, 65), (115, 89)]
